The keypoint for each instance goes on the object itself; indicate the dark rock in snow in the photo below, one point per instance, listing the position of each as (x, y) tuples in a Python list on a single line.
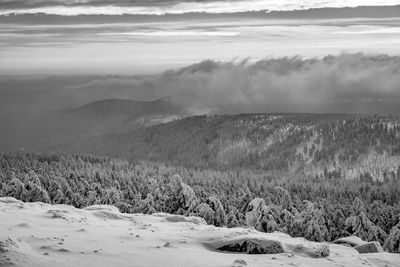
[(370, 247), (251, 246)]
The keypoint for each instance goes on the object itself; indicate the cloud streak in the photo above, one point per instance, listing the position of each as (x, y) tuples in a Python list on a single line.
[(161, 7), (148, 47)]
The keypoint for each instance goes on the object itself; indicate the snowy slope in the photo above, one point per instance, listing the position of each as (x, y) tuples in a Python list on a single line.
[(37, 234)]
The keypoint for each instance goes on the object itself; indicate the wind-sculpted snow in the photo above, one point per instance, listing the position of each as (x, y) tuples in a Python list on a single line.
[(81, 237)]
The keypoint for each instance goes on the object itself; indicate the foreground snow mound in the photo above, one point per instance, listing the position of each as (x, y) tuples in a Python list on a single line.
[(38, 234)]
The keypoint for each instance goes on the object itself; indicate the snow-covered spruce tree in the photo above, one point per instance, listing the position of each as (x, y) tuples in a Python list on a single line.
[(53, 189), (313, 223), (359, 225), (257, 216), (255, 213), (182, 199), (245, 199), (232, 218), (58, 197), (205, 212), (284, 198), (36, 193), (15, 188), (286, 217), (77, 200), (212, 212), (328, 213), (392, 243), (309, 223), (66, 189), (219, 212), (154, 189), (150, 187), (31, 176), (295, 228), (339, 229), (380, 215), (268, 223), (147, 205), (111, 196), (358, 206), (91, 198)]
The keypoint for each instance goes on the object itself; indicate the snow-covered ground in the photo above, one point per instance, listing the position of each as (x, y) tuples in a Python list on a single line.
[(37, 234)]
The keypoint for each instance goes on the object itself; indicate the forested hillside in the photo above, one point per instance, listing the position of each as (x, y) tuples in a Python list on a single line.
[(316, 208), (327, 145)]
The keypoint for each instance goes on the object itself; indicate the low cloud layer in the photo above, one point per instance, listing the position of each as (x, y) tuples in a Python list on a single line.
[(286, 84), (355, 83)]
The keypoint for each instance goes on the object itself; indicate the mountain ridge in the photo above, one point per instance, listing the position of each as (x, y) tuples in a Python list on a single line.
[(316, 144)]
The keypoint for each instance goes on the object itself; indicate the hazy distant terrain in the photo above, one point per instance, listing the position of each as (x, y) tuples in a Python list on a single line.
[(38, 130)]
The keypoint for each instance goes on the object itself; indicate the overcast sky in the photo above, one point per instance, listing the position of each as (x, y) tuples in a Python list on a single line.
[(124, 36)]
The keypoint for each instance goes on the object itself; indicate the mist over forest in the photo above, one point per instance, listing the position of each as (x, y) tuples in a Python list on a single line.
[(349, 83)]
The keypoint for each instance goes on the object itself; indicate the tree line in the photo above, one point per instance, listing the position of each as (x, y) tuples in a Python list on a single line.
[(317, 208)]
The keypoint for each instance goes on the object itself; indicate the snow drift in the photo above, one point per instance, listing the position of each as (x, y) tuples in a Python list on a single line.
[(38, 234)]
